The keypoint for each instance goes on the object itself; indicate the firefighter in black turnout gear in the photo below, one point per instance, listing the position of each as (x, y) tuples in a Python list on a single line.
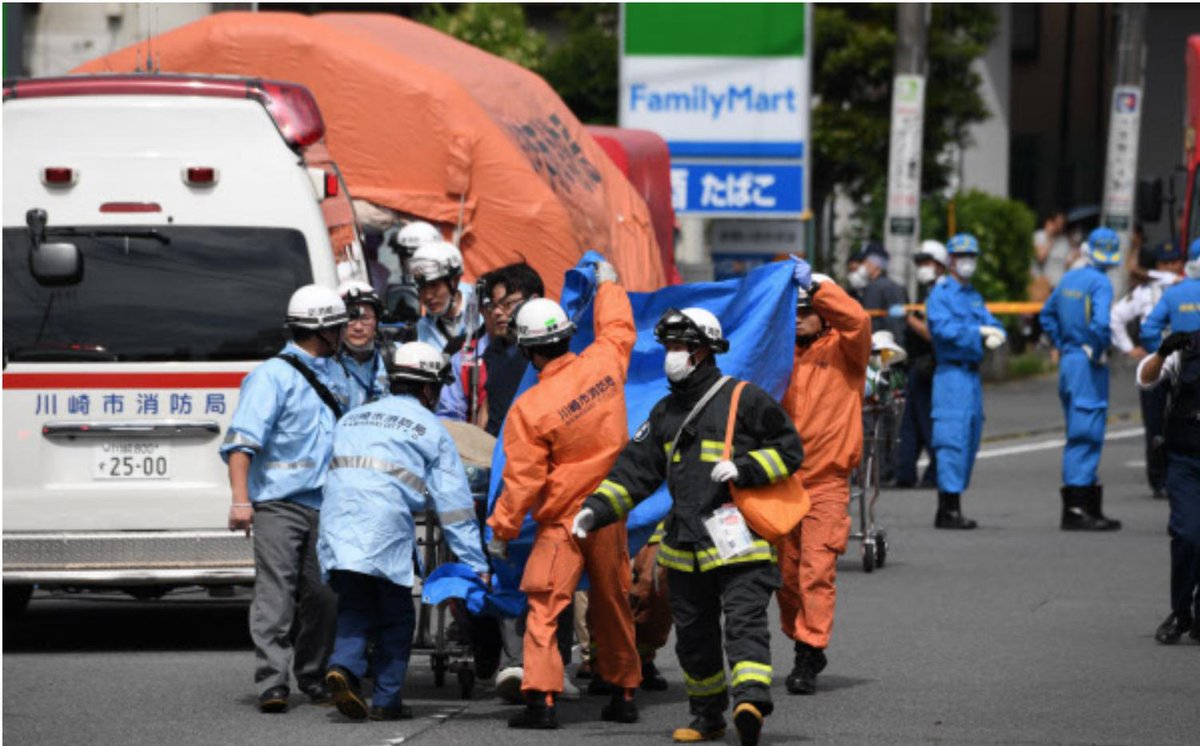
[(704, 584)]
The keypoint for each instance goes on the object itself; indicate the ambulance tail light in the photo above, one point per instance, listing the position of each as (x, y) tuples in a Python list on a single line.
[(331, 185), (291, 105), (130, 207), (200, 176), (59, 177)]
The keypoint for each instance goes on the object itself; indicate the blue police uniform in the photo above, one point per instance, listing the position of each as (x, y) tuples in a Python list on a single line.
[(391, 458), (366, 381), (287, 430), (453, 401), (1178, 310), (1076, 319), (955, 311)]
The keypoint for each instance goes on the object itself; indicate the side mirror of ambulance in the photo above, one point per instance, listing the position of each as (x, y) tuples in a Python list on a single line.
[(52, 264)]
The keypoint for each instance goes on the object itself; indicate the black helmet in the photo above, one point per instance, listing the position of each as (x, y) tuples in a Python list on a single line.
[(692, 326)]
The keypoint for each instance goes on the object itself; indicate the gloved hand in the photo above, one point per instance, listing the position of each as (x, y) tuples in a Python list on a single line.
[(993, 336), (498, 547), (584, 520), (802, 272), (1093, 357), (1176, 341), (724, 471), (605, 272)]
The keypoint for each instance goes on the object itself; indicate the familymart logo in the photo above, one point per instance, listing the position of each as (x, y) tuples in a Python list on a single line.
[(715, 102)]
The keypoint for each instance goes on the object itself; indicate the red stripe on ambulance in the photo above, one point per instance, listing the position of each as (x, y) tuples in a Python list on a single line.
[(191, 380)]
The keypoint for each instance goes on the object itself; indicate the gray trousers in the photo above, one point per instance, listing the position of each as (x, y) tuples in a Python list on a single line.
[(293, 616), (512, 638)]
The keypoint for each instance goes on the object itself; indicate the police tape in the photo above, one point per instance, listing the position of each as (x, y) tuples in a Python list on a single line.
[(1001, 308)]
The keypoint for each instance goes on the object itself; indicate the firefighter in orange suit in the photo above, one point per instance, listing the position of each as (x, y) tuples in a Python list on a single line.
[(561, 439), (824, 399)]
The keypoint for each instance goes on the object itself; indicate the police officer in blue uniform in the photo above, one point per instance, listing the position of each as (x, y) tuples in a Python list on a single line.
[(1179, 308), (362, 355), (391, 458), (960, 326), (1076, 319), (278, 448)]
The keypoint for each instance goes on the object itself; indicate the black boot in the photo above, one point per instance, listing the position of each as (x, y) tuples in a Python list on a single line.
[(539, 713), (652, 679), (1076, 513), (810, 661), (1095, 499), (1172, 628), (621, 708), (949, 512)]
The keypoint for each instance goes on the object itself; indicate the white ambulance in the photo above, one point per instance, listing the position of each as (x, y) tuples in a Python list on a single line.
[(154, 228)]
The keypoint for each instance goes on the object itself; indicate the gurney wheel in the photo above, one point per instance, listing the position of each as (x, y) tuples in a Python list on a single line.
[(881, 548), (440, 665), (466, 683), (868, 557)]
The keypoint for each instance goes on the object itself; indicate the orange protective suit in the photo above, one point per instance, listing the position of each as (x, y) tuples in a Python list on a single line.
[(824, 399), (561, 438)]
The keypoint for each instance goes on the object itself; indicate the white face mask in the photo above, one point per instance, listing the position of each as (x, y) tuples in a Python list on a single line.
[(1192, 269), (859, 278), (926, 275), (965, 267), (678, 365)]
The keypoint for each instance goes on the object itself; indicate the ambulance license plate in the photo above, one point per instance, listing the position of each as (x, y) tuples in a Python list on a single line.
[(131, 459)]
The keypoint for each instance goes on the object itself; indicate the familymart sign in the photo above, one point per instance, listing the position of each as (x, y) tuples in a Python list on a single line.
[(727, 86), (718, 79)]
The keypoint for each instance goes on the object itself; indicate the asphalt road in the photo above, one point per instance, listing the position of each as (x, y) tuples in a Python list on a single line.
[(1015, 633)]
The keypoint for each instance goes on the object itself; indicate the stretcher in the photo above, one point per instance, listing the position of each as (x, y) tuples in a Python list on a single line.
[(441, 630), (883, 402)]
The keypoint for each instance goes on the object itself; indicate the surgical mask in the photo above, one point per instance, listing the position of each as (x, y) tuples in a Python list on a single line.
[(678, 365), (965, 267), (358, 349), (1192, 269), (859, 278), (926, 275)]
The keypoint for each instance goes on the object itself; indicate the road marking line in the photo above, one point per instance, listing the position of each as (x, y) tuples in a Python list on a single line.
[(1044, 445)]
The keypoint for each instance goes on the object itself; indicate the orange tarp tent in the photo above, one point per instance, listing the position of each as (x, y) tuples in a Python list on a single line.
[(422, 123)]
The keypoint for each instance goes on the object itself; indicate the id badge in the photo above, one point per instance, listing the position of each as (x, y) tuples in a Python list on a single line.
[(728, 531)]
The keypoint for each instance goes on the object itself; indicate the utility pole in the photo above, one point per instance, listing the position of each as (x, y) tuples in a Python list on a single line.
[(1124, 123), (902, 228)]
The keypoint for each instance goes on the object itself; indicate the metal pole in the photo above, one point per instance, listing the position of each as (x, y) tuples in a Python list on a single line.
[(902, 230), (1125, 114)]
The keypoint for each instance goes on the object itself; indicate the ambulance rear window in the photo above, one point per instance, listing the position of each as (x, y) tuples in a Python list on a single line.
[(163, 294)]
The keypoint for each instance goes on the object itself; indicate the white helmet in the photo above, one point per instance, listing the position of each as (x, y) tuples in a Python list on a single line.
[(935, 250), (420, 362), (884, 345), (691, 326), (435, 260), (541, 321), (316, 307), (357, 291), (416, 234)]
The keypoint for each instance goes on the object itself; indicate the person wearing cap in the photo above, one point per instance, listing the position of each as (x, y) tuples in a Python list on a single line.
[(561, 438), (683, 442), (887, 299), (392, 457), (1130, 312), (824, 400), (278, 447), (1076, 318), (361, 356), (916, 424), (960, 327), (1179, 308), (437, 268)]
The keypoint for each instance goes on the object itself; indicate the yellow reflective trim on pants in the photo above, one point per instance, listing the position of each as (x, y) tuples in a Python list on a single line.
[(714, 684), (767, 466), (676, 559), (750, 671), (711, 558)]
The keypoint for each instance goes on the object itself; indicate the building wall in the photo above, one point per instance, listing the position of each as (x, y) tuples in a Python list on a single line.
[(984, 164)]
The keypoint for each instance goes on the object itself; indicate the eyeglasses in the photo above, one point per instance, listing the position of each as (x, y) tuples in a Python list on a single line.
[(505, 304)]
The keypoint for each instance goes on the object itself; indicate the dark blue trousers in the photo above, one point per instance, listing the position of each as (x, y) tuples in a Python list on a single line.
[(371, 608), (916, 432), (1183, 493)]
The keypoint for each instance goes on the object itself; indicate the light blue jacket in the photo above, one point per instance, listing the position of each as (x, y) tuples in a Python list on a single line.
[(1078, 310), (1178, 310), (430, 332), (393, 458), (955, 312), (286, 428), (453, 401), (366, 381)]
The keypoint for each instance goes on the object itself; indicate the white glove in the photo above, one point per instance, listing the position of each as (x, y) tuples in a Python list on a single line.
[(993, 336), (584, 520), (724, 471), (1101, 359), (498, 547), (605, 272)]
